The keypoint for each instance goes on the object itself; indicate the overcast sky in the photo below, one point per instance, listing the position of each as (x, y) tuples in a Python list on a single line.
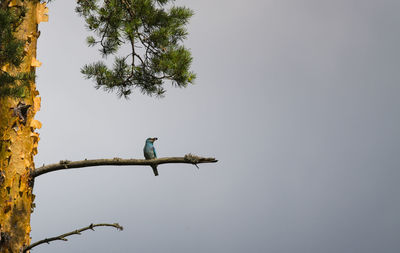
[(299, 101)]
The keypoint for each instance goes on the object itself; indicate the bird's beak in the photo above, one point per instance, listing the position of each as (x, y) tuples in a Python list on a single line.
[(154, 139)]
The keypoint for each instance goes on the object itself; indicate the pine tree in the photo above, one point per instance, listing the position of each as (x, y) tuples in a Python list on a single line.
[(153, 33), (152, 29)]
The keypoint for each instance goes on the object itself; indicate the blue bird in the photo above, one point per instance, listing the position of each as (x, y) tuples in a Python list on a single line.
[(150, 152)]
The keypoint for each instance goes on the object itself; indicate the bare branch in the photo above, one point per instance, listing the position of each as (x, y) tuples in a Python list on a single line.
[(75, 232), (62, 165)]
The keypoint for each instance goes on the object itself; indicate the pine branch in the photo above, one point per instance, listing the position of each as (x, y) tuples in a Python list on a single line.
[(75, 232), (63, 165), (158, 27)]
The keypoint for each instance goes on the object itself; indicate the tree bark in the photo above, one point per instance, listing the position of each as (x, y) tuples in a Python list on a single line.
[(18, 139)]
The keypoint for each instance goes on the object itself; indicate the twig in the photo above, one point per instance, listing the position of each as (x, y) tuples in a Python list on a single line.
[(75, 232), (62, 165)]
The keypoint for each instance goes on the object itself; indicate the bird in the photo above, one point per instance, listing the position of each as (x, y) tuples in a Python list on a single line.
[(150, 152)]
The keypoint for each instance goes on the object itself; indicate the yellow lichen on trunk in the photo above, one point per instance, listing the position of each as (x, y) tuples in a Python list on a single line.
[(18, 141)]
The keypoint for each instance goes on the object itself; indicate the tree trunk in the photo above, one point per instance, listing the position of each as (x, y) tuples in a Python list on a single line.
[(18, 140)]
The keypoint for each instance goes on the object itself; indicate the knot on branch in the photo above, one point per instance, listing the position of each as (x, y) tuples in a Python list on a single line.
[(65, 163), (192, 158)]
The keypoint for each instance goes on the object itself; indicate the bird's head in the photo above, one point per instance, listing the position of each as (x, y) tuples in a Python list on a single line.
[(151, 140)]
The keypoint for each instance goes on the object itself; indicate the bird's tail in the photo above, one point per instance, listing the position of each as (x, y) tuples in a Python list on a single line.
[(155, 170)]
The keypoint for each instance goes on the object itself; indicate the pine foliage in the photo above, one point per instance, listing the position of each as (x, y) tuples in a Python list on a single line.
[(153, 30), (12, 53)]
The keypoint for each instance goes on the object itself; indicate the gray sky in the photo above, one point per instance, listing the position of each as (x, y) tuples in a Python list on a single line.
[(298, 99)]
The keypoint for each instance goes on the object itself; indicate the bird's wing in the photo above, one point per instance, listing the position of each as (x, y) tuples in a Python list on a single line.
[(148, 152), (154, 151)]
